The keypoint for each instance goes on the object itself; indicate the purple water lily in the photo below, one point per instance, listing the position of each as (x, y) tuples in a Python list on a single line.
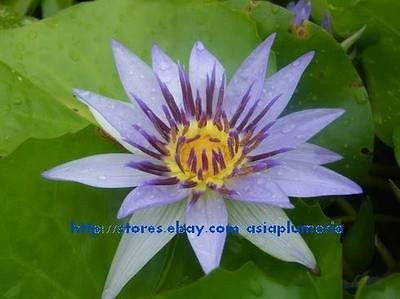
[(203, 149), (302, 12)]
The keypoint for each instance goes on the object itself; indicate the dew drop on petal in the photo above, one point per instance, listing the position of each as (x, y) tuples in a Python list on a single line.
[(288, 128), (163, 66)]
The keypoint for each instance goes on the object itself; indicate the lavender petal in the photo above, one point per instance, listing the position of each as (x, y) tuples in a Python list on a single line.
[(282, 85), (150, 196), (207, 210), (200, 65), (251, 71), (168, 72), (137, 78), (105, 171), (258, 188), (302, 179), (297, 128)]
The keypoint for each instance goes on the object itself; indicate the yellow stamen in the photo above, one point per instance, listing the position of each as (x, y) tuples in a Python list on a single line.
[(201, 138)]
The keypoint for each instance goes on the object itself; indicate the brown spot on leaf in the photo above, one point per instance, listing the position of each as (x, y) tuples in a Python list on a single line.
[(301, 32), (365, 151), (251, 5), (356, 84)]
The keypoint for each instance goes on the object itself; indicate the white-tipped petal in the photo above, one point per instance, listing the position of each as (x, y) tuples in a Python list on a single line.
[(283, 84), (288, 247), (297, 128), (150, 196), (135, 250), (105, 171), (168, 72), (257, 188), (116, 118), (302, 179), (309, 153), (201, 64), (251, 72), (207, 210), (138, 78)]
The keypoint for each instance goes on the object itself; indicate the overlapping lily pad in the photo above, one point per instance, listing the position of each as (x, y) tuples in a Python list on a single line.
[(384, 289), (73, 48), (21, 7), (329, 81), (28, 111), (10, 19), (379, 51), (62, 264)]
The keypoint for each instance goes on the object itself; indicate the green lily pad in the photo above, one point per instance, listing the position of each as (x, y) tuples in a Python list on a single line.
[(22, 7), (51, 7), (378, 49), (41, 257), (72, 49), (329, 81), (27, 111), (10, 19), (359, 242), (82, 58), (251, 273), (386, 288), (382, 68)]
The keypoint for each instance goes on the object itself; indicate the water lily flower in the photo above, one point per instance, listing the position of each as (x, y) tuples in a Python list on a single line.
[(326, 22), (206, 151), (302, 12)]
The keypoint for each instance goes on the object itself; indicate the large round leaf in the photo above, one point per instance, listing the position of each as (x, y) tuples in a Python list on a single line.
[(41, 257), (28, 111), (387, 288), (379, 51), (329, 81), (73, 49)]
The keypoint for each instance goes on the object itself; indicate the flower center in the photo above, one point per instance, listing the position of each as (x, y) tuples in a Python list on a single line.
[(201, 146), (203, 154)]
